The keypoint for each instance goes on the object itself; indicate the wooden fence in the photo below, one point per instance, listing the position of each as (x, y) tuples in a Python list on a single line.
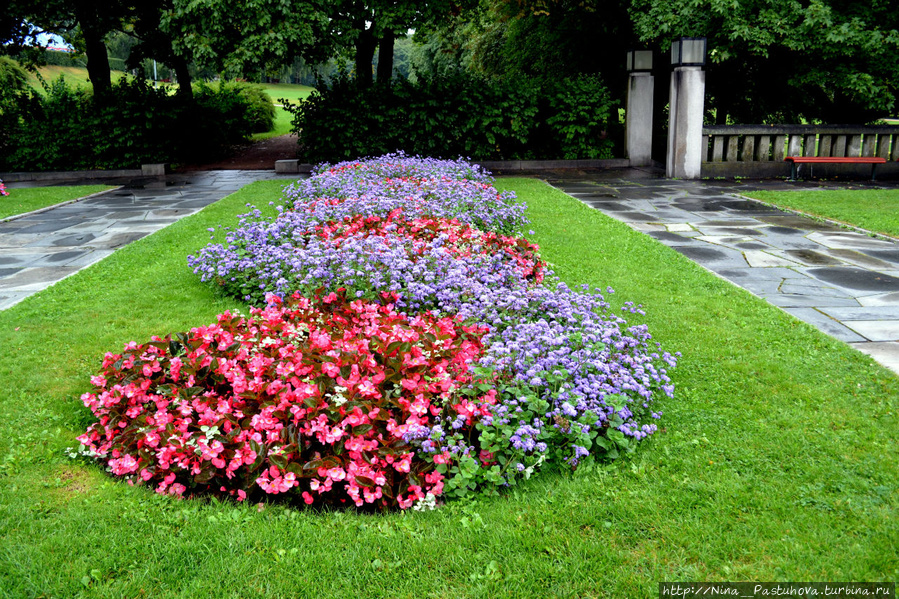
[(759, 150)]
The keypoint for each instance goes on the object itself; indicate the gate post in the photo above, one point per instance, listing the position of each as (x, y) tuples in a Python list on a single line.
[(638, 110), (686, 109)]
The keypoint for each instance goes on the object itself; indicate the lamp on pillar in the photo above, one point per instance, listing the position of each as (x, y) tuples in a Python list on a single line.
[(638, 111), (639, 61), (688, 52), (686, 108)]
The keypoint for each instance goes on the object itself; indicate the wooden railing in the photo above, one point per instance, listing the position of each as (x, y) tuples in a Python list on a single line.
[(750, 150)]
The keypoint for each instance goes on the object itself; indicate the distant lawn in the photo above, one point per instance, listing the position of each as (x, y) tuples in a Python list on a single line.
[(876, 210), (294, 92), (74, 76), (774, 461), (282, 126), (27, 199)]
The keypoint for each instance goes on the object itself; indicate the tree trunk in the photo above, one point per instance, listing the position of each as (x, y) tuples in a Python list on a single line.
[(184, 79), (365, 54), (97, 58), (385, 57)]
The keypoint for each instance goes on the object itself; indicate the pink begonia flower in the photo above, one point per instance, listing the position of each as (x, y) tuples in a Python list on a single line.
[(124, 465), (404, 464), (331, 369), (442, 458)]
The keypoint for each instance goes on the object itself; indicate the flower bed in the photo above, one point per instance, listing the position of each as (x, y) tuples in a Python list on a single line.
[(411, 344)]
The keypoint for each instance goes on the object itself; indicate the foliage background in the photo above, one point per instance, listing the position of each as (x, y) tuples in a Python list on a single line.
[(456, 115)]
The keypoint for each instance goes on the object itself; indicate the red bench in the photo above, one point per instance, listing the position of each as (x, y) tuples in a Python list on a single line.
[(872, 160)]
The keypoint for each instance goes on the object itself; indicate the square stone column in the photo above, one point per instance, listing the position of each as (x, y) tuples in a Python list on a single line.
[(638, 119), (687, 108)]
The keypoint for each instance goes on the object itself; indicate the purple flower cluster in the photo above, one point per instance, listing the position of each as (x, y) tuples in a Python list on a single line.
[(576, 380), (419, 187), (573, 379)]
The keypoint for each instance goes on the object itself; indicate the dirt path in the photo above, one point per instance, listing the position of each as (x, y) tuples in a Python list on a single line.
[(257, 156)]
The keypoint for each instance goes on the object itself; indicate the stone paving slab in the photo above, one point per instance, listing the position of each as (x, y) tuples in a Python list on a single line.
[(824, 323), (887, 299), (845, 283), (875, 330), (885, 353)]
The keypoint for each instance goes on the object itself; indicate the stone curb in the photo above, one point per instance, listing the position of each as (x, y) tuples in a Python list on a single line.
[(146, 170), (67, 202)]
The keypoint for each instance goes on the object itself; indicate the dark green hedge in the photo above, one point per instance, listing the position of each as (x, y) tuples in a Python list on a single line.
[(451, 116), (133, 124)]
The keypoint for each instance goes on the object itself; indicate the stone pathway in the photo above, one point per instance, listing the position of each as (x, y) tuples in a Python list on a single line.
[(843, 282), (41, 248)]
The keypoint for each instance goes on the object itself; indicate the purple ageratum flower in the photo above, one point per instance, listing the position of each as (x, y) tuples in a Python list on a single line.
[(574, 353), (398, 165)]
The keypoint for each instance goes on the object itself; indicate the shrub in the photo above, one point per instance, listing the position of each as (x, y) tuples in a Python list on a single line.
[(243, 108), (456, 115), (17, 102), (133, 124)]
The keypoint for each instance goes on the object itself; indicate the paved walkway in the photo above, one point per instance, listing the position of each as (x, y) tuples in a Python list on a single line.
[(41, 248), (843, 282)]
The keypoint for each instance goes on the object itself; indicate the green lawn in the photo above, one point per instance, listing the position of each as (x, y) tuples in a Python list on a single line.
[(283, 121), (26, 199), (875, 210), (294, 92), (776, 461), (75, 76)]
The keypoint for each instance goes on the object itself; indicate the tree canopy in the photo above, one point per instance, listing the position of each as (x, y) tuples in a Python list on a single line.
[(769, 60), (830, 60)]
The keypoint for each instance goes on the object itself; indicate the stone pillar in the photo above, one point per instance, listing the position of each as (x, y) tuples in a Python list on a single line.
[(638, 119), (686, 107)]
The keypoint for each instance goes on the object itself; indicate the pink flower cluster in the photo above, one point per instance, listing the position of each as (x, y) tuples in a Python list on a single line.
[(308, 397)]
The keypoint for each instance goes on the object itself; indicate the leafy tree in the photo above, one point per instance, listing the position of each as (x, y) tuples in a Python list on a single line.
[(783, 61), (83, 23), (243, 36), (377, 24), (145, 24)]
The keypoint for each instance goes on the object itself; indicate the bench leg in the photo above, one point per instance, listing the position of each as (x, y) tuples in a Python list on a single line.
[(873, 171)]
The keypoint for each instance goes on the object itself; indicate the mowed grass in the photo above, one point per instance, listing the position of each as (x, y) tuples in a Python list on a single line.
[(282, 126), (26, 199), (776, 460), (74, 76), (294, 92), (875, 210)]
